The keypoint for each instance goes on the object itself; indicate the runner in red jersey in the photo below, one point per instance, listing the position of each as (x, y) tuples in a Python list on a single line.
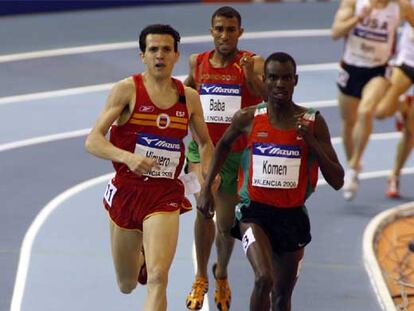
[(147, 116), (227, 79), (286, 145)]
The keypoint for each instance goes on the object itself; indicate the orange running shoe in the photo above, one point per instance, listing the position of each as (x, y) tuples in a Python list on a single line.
[(195, 298), (393, 188), (222, 294)]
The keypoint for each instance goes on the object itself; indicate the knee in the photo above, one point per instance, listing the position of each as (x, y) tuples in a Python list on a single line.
[(263, 282), (127, 286), (224, 226), (223, 230), (157, 277), (365, 113), (409, 134), (281, 301), (281, 297)]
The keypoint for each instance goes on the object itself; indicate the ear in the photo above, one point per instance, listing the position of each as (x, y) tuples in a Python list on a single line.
[(241, 31), (296, 79), (142, 56)]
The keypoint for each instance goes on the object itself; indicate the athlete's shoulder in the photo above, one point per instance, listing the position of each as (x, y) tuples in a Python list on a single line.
[(126, 85), (190, 93)]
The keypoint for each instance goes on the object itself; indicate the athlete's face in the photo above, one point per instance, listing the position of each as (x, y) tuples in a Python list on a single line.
[(159, 56), (226, 33), (280, 81)]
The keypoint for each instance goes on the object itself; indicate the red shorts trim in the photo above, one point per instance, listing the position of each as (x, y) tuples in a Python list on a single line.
[(130, 201)]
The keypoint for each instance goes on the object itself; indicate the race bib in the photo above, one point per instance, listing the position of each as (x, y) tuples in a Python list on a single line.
[(166, 151), (276, 166), (220, 101), (343, 77), (109, 193)]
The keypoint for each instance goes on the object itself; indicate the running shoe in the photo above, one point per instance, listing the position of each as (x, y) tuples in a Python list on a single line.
[(222, 294), (393, 187), (195, 298), (350, 186)]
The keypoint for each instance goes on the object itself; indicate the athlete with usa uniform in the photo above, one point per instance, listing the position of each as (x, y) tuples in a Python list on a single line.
[(369, 28)]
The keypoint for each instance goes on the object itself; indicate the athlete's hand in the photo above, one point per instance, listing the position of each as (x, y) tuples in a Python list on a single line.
[(305, 132), (365, 11), (205, 203), (140, 165), (247, 64)]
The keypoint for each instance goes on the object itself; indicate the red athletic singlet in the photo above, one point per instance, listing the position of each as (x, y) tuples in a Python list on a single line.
[(154, 133), (280, 170), (222, 91)]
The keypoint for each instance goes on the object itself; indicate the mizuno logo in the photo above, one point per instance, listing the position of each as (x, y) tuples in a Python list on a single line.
[(263, 149), (207, 88), (149, 140), (222, 90)]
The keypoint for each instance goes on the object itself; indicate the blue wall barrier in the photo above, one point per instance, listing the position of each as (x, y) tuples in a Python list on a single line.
[(24, 6)]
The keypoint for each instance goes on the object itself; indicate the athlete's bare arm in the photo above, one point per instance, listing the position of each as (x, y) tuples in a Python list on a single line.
[(319, 141), (199, 128), (190, 81), (241, 124), (117, 108), (253, 69), (406, 11), (345, 19)]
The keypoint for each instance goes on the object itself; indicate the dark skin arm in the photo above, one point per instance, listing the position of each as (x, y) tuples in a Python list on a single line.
[(240, 125), (190, 81), (320, 145)]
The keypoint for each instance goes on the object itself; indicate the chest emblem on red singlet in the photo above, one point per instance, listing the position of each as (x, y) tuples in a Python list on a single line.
[(180, 114), (163, 120)]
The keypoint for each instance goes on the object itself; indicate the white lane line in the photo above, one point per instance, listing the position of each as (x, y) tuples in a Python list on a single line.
[(134, 44), (43, 139), (107, 86), (27, 245), (54, 94), (84, 132)]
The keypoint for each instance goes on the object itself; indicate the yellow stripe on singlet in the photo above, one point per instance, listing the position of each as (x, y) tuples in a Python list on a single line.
[(179, 120), (142, 122), (144, 116), (153, 123)]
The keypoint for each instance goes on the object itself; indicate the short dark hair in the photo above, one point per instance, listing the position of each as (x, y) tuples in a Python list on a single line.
[(159, 29), (280, 57), (228, 12)]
